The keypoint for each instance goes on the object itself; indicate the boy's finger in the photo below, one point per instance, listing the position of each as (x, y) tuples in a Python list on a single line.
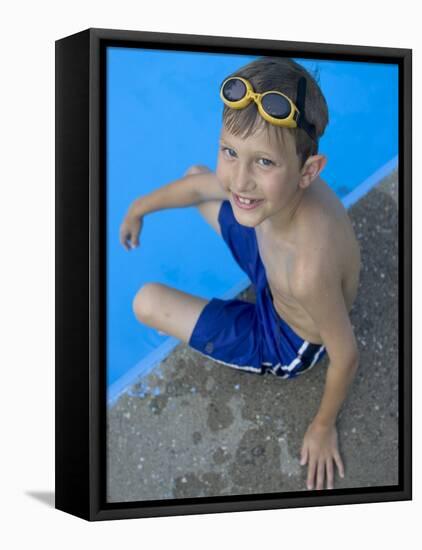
[(330, 474), (124, 243), (134, 233), (320, 474), (122, 239), (339, 463), (303, 455), (311, 473), (123, 236)]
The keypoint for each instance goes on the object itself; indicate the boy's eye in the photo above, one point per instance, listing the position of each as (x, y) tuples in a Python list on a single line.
[(266, 162), (230, 152)]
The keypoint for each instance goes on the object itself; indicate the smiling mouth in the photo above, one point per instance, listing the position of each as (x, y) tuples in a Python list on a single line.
[(245, 203)]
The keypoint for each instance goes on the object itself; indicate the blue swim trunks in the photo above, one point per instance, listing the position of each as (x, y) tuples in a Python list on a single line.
[(251, 337)]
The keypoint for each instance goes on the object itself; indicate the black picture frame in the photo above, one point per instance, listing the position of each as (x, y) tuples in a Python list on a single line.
[(80, 275)]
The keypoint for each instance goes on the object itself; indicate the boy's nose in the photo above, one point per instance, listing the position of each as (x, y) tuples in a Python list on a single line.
[(242, 180)]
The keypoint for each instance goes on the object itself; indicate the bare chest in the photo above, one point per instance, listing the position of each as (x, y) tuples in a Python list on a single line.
[(279, 262), (279, 266)]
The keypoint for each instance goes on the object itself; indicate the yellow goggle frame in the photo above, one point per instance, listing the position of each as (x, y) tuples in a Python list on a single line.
[(289, 122)]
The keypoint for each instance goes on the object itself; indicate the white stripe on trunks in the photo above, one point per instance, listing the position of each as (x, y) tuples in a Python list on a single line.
[(298, 359), (314, 361), (295, 361), (321, 349), (246, 367), (274, 369)]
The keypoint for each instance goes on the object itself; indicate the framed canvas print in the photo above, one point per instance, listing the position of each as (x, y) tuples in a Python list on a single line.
[(233, 274)]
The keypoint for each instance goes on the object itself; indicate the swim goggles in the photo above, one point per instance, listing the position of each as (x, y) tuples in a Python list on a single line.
[(274, 107)]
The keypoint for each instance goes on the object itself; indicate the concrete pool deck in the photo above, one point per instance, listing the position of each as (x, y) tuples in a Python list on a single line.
[(196, 428)]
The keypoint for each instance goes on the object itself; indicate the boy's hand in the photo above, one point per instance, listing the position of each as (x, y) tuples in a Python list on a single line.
[(319, 450), (130, 230)]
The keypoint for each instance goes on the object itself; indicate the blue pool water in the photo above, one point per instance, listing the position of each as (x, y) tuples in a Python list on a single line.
[(164, 114)]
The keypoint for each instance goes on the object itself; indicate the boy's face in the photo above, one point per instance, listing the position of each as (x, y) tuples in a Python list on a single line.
[(260, 176)]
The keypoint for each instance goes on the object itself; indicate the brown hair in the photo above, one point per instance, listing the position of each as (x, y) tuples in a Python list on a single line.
[(281, 74)]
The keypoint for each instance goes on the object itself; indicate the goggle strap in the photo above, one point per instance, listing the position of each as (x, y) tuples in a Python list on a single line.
[(300, 104), (301, 94)]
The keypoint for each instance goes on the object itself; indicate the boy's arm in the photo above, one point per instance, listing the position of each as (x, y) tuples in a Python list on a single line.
[(186, 191), (320, 293), (189, 190)]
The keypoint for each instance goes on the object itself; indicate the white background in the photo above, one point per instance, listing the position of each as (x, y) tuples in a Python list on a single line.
[(28, 32)]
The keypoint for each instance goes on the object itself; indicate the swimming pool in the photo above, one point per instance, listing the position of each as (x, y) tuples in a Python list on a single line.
[(160, 124)]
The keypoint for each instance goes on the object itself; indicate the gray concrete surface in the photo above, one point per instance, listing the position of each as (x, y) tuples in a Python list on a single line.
[(196, 428)]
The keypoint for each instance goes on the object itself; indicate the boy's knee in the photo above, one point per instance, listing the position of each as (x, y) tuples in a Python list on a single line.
[(146, 302), (197, 169)]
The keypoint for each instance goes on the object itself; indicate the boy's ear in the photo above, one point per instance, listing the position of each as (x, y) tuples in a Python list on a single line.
[(313, 166)]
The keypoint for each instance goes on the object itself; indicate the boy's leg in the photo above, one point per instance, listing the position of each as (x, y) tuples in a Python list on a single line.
[(168, 310), (209, 209)]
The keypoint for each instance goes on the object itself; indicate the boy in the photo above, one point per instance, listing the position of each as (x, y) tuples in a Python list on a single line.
[(287, 230)]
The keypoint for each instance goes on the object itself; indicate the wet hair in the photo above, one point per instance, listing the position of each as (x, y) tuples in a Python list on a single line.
[(281, 74)]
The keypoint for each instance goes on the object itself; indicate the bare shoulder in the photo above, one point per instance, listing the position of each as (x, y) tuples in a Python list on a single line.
[(323, 207), (320, 221), (328, 253)]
